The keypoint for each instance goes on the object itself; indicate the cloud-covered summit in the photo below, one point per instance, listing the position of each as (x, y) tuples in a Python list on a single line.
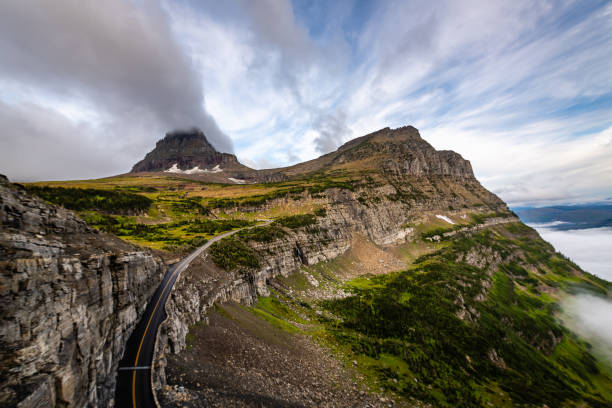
[(522, 89), (101, 80)]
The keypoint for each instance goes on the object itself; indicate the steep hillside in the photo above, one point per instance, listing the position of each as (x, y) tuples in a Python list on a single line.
[(387, 259), (470, 321), (70, 297), (398, 152), (474, 323)]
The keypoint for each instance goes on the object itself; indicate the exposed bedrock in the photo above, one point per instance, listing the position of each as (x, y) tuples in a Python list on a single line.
[(70, 298), (381, 218)]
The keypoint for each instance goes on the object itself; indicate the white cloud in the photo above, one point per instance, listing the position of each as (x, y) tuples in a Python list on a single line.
[(591, 317), (590, 248), (542, 169), (588, 315), (498, 77), (268, 84), (521, 89)]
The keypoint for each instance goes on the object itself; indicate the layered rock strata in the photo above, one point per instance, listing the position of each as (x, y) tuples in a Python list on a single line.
[(187, 150), (380, 217), (69, 297)]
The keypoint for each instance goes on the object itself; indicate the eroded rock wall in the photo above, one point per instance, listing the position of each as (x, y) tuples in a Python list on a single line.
[(70, 297), (373, 212)]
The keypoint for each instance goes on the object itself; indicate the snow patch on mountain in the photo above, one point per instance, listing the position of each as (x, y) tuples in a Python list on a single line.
[(237, 181), (195, 170), (445, 218)]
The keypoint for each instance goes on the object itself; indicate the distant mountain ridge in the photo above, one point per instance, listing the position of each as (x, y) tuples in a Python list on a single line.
[(580, 216), (395, 152)]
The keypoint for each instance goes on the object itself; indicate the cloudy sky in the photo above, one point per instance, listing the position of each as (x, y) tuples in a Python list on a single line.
[(523, 89)]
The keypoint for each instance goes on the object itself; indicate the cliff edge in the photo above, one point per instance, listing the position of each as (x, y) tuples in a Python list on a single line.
[(69, 298)]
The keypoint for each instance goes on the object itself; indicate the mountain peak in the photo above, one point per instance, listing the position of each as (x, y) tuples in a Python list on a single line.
[(395, 152), (193, 135), (185, 151), (383, 135)]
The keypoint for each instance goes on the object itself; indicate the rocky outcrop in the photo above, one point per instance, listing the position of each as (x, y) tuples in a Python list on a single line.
[(70, 297), (374, 212), (403, 152), (187, 150), (395, 152)]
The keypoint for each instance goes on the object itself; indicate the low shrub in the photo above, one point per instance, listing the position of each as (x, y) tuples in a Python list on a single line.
[(255, 200), (231, 253), (100, 221), (190, 205), (82, 199), (320, 212), (267, 233), (215, 226), (297, 221)]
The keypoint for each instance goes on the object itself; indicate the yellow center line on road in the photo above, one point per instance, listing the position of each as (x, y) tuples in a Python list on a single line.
[(145, 335), (179, 266), (177, 270)]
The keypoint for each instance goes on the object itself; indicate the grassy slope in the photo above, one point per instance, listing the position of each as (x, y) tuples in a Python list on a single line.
[(402, 329), (404, 332), (171, 203), (177, 204)]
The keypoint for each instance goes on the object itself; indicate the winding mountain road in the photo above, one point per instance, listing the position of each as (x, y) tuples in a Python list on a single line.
[(134, 376)]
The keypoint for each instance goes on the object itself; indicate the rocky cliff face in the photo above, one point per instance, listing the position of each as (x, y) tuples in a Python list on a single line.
[(371, 211), (69, 297), (395, 152), (403, 152), (184, 151)]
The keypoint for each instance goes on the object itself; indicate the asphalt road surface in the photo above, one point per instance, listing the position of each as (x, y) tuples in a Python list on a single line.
[(134, 377)]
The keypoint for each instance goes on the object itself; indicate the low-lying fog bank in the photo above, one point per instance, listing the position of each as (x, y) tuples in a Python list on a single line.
[(590, 248), (590, 317)]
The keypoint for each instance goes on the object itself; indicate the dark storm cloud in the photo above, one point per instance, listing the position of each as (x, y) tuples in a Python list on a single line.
[(118, 56), (40, 144)]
